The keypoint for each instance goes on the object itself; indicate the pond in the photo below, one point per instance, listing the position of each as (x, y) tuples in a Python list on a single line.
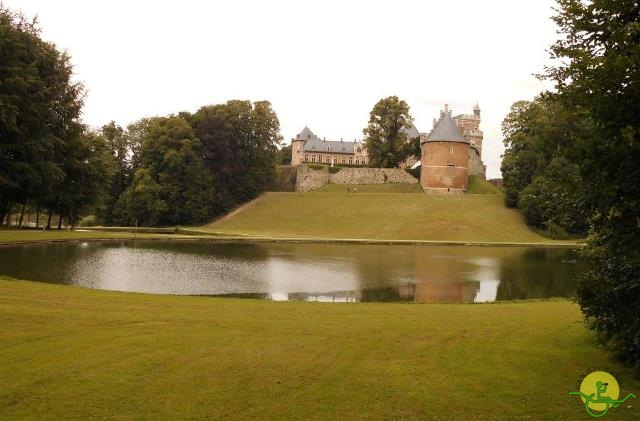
[(294, 271)]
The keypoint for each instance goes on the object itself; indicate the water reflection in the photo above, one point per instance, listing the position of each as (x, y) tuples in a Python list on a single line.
[(314, 272)]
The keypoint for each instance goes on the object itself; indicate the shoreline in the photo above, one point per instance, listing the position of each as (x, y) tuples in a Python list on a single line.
[(202, 237)]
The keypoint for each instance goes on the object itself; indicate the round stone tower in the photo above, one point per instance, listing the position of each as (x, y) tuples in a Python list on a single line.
[(445, 157)]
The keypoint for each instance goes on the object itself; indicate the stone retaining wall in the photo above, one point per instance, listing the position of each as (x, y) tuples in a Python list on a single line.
[(309, 179)]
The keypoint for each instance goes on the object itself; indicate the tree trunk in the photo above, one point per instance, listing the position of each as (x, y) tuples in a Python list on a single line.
[(37, 215), (59, 220), (24, 205), (3, 210), (49, 220), (9, 207)]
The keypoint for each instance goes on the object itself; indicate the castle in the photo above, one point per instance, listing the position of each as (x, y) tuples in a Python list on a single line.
[(449, 153)]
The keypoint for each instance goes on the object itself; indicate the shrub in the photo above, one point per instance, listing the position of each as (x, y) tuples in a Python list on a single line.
[(334, 170), (316, 167)]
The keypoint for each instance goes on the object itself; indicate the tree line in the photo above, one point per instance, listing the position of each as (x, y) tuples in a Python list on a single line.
[(176, 169), (572, 159)]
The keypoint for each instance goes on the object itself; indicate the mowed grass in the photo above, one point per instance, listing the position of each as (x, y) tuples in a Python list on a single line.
[(478, 185), (74, 353), (24, 235), (381, 216)]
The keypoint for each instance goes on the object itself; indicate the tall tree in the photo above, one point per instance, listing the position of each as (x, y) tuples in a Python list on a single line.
[(171, 181), (119, 147), (534, 133), (597, 72), (386, 137), (240, 141), (39, 111)]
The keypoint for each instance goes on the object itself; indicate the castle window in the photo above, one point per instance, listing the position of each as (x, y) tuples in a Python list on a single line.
[(350, 160), (357, 161), (313, 158)]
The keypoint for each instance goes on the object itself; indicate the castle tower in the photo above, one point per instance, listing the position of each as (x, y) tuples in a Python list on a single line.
[(445, 157), (297, 145)]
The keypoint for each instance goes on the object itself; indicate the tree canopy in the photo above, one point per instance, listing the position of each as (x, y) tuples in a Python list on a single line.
[(44, 148), (386, 138)]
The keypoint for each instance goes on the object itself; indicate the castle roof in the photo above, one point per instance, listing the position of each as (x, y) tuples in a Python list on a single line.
[(446, 130), (314, 144), (306, 134), (333, 146)]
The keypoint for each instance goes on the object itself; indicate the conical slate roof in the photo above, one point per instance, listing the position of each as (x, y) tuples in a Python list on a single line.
[(446, 130), (306, 134)]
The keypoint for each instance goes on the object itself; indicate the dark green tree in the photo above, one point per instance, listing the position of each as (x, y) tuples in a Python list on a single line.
[(534, 133), (284, 155), (171, 179), (240, 142), (597, 73), (554, 200), (141, 204), (118, 142), (39, 111), (386, 138)]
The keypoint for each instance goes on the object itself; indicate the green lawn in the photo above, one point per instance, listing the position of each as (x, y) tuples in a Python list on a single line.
[(13, 235), (382, 216), (478, 185), (74, 353)]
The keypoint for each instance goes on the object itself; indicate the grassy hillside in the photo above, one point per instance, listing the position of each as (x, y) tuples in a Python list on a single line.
[(478, 185), (73, 353), (400, 216)]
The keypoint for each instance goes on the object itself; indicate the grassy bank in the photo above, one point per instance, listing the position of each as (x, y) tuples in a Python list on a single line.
[(14, 236), (75, 353), (383, 216)]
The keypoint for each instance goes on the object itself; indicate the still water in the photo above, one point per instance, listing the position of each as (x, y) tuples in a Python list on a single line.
[(315, 272)]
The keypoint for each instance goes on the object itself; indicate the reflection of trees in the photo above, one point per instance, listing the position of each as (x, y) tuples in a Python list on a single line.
[(229, 250), (45, 262), (539, 273)]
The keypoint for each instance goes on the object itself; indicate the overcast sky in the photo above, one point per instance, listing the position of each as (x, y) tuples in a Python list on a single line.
[(320, 63)]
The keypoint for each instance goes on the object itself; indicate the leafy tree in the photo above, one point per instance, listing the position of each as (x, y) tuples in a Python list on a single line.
[(119, 147), (534, 133), (284, 155), (240, 142), (598, 74), (386, 136), (89, 168), (141, 204), (172, 185), (39, 111), (554, 200)]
